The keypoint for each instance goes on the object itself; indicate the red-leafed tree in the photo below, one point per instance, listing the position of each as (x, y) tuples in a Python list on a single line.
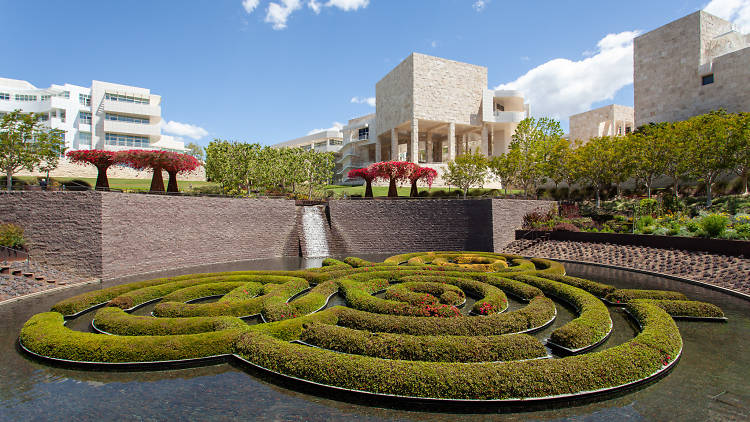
[(158, 161), (180, 164), (102, 160), (425, 174), (394, 172), (368, 174)]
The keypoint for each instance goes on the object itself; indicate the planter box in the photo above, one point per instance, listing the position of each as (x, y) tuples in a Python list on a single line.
[(717, 246), (7, 254)]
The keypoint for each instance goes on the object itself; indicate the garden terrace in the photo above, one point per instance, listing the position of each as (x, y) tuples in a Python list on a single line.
[(416, 325)]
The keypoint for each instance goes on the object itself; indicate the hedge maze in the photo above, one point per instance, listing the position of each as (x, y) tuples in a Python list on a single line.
[(433, 325)]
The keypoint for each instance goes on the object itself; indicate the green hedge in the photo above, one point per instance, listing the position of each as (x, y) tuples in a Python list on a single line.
[(626, 295), (359, 262), (116, 321), (514, 287), (593, 323), (685, 308), (359, 296), (235, 305), (202, 290), (537, 313), (593, 287), (487, 293), (416, 293), (310, 302), (46, 335), (424, 348), (647, 353)]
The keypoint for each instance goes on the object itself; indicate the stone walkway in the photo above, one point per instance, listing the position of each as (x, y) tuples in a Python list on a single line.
[(725, 271), (41, 278)]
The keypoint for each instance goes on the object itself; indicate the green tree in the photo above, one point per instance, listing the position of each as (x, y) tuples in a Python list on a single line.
[(467, 170), (195, 150), (557, 167), (535, 140), (596, 163), (741, 135), (676, 164), (506, 167), (26, 143), (317, 168), (710, 147), (649, 153)]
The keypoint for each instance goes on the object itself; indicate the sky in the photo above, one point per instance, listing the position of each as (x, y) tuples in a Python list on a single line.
[(272, 70)]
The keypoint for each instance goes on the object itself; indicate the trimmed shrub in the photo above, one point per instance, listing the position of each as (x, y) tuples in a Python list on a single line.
[(486, 293), (310, 302), (11, 236), (118, 322), (685, 308), (202, 290), (424, 348), (593, 287), (714, 224), (359, 298), (626, 295), (518, 289), (565, 227)]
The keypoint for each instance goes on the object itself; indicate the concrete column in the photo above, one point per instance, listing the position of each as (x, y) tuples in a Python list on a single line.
[(429, 147), (451, 142), (485, 140), (378, 151), (394, 145), (491, 150), (414, 144)]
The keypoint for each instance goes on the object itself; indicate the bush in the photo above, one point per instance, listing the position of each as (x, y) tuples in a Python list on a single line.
[(593, 287), (714, 224), (685, 308), (626, 295), (118, 322), (566, 227), (11, 236), (424, 348)]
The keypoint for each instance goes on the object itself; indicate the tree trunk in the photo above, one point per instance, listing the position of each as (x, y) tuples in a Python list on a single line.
[(414, 191), (368, 189), (172, 184), (744, 183), (102, 183), (598, 200), (648, 189), (392, 191), (466, 191), (676, 187), (9, 179), (157, 181), (708, 193)]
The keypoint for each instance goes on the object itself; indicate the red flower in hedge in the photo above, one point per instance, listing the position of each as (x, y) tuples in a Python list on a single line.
[(100, 159)]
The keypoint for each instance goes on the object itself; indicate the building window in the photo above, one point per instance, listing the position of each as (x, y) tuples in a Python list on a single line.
[(708, 79), (84, 118), (307, 147), (61, 113), (364, 133), (84, 99), (320, 144), (628, 129), (46, 97), (128, 119), (500, 107), (4, 96), (42, 117), (84, 138), (126, 98), (116, 139), (64, 94), (335, 142), (21, 97)]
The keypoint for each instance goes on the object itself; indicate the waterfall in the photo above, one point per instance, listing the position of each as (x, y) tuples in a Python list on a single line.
[(314, 232)]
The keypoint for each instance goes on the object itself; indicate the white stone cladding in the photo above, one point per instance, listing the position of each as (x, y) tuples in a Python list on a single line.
[(671, 61), (394, 100), (611, 120)]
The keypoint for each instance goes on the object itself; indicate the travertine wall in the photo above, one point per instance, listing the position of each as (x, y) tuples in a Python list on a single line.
[(144, 233), (599, 122), (394, 102), (62, 229), (68, 169), (448, 91), (670, 62)]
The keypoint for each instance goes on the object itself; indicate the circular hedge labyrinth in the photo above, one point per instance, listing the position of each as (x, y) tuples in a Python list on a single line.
[(433, 325)]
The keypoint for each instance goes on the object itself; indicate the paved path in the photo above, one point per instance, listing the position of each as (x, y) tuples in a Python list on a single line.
[(724, 271)]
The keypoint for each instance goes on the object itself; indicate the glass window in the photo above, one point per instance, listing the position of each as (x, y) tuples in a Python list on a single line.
[(126, 98), (335, 142), (126, 140), (4, 96), (128, 119), (84, 138), (364, 133), (64, 94), (84, 99), (22, 97), (320, 144), (708, 79), (84, 118), (46, 97)]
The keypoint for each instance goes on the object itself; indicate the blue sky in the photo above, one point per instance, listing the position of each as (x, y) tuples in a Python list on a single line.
[(267, 71)]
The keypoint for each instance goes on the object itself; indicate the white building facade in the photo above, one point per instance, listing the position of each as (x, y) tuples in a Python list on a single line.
[(611, 120), (104, 116)]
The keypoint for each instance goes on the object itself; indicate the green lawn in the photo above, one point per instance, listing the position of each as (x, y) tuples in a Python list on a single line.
[(404, 191), (134, 184)]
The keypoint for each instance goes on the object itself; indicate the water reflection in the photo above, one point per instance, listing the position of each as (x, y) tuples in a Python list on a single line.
[(709, 383)]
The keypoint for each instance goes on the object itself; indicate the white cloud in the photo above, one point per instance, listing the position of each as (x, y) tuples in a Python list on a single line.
[(347, 5), (735, 11), (250, 5), (562, 87), (277, 14), (364, 100), (336, 126), (315, 6), (525, 58), (433, 44), (479, 5), (183, 129)]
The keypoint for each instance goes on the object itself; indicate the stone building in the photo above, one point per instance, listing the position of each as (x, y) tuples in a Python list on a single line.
[(611, 120), (689, 67)]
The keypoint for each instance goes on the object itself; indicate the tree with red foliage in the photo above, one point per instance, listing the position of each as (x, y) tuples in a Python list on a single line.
[(394, 172), (158, 161), (368, 174), (180, 164), (426, 174), (102, 160)]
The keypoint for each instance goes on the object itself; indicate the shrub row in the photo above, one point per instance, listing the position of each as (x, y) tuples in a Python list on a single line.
[(518, 289), (424, 348), (593, 323), (202, 290), (658, 344), (310, 302), (685, 308), (359, 262), (46, 335), (593, 287), (626, 295), (416, 293), (359, 296), (116, 321), (235, 305), (487, 294), (536, 314)]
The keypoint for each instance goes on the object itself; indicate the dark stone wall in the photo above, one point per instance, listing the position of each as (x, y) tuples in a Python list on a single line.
[(146, 233), (63, 229), (394, 226), (507, 216)]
